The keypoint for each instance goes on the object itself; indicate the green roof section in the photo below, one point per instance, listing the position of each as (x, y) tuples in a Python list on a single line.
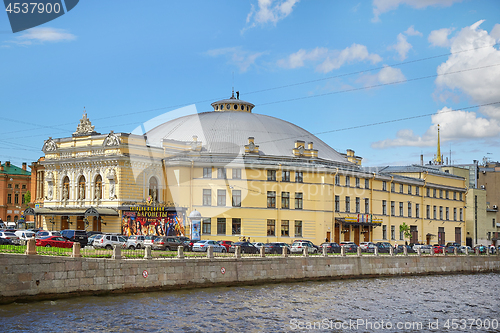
[(11, 169)]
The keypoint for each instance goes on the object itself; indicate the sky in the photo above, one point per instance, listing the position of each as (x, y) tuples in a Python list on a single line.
[(375, 76)]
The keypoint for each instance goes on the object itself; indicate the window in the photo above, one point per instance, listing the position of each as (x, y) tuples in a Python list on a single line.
[(357, 205), (271, 225), (285, 200), (393, 232), (400, 188), (417, 210), (16, 186), (298, 228), (417, 190), (367, 206), (81, 187), (207, 173), (16, 198), (384, 186), (409, 209), (409, 189), (221, 197), (440, 212), (356, 180), (493, 220), (347, 181), (9, 198), (454, 195), (434, 192), (401, 235), (393, 208), (65, 189), (221, 173), (461, 214), (441, 194), (455, 214), (401, 209), (337, 203), (348, 204), (9, 186), (428, 192), (367, 183), (153, 189), (298, 200), (236, 174), (434, 212), (299, 177), (393, 187), (22, 198), (8, 218), (221, 226), (207, 197), (384, 232), (271, 199), (24, 187), (460, 196), (384, 208), (236, 198), (337, 179), (447, 194), (285, 176), (207, 226), (447, 213), (271, 175), (285, 231), (236, 226), (428, 211)]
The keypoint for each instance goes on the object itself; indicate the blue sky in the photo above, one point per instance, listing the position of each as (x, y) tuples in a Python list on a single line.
[(347, 70)]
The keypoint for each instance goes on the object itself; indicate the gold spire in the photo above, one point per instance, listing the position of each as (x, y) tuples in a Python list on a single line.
[(438, 157)]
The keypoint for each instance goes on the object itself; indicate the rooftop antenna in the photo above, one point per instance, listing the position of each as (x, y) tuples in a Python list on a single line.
[(232, 95)]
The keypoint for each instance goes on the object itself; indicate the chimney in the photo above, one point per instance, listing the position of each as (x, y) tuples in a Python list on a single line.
[(421, 159), (7, 164), (24, 166), (309, 145)]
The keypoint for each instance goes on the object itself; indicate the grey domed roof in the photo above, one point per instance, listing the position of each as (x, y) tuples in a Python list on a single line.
[(228, 132)]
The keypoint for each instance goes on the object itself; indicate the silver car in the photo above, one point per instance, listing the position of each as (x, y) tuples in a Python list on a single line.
[(202, 246), (135, 242)]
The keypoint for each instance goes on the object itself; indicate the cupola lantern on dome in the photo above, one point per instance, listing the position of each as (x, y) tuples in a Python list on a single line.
[(232, 104)]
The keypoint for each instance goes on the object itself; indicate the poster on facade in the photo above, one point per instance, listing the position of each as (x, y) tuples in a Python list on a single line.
[(158, 223)]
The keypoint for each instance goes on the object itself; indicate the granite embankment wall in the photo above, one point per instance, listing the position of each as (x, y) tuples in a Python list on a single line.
[(35, 277)]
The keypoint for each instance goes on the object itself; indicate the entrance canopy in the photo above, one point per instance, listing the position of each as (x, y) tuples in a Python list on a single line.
[(92, 211), (358, 221)]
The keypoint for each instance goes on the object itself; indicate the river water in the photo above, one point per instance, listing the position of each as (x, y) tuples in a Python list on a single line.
[(446, 303)]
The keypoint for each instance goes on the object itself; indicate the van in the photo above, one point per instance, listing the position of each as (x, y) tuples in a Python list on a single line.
[(24, 235)]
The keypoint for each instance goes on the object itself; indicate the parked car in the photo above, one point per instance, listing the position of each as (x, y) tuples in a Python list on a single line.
[(135, 242), (149, 240), (416, 246), (258, 244), (24, 235), (298, 247), (350, 247), (453, 244), (482, 248), (438, 249), (276, 248), (246, 247), (45, 233), (331, 247), (90, 233), (365, 246), (5, 241), (76, 236), (462, 249), (108, 241), (168, 243), (202, 246), (91, 239), (451, 248), (54, 241), (426, 249), (400, 249), (226, 244), (10, 235), (307, 241), (383, 247)]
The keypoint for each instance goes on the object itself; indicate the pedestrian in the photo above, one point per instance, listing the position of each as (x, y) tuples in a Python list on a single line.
[(248, 240)]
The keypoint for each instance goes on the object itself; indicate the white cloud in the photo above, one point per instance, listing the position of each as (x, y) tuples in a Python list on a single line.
[(384, 6), (42, 35), (402, 46), (440, 37), (384, 76), (455, 125), (412, 32), (495, 32), (355, 52), (237, 56), (298, 58), (270, 11), (481, 84)]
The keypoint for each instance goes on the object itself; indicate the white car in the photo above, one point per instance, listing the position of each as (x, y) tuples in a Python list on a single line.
[(45, 233), (10, 235), (258, 244), (298, 247), (108, 241), (202, 246), (462, 249), (135, 242), (24, 234)]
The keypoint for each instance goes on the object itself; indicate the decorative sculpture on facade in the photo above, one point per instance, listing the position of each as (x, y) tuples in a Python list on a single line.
[(85, 126), (50, 145), (111, 140)]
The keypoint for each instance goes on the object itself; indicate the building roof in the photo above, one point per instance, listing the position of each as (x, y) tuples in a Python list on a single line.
[(227, 132), (410, 169), (10, 169)]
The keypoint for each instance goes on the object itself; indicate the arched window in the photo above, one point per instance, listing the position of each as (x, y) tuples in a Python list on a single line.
[(81, 188), (8, 218), (153, 189), (65, 189), (98, 188), (16, 218)]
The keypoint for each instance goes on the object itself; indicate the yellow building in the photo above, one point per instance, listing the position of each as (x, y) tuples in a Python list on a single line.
[(241, 174)]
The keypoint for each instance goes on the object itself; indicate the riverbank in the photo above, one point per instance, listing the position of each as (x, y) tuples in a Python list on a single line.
[(35, 277)]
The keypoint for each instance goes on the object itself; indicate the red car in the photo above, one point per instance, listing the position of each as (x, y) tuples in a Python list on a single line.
[(54, 241), (438, 249), (226, 244)]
